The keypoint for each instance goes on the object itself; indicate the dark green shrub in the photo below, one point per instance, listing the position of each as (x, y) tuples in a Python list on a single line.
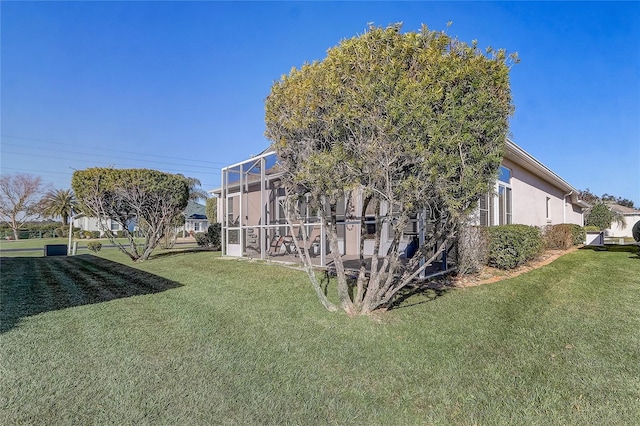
[(591, 228), (214, 232), (201, 239), (95, 234), (513, 245), (94, 246), (579, 234), (211, 238), (563, 236)]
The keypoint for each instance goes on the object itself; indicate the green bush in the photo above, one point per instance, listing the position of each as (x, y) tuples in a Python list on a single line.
[(563, 236), (95, 234), (120, 234), (201, 239), (211, 238), (579, 234), (61, 232), (513, 245), (94, 246), (591, 228)]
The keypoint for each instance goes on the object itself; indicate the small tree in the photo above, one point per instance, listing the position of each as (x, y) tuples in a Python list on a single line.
[(59, 202), (212, 210), (413, 124), (150, 197), (601, 216), (20, 199)]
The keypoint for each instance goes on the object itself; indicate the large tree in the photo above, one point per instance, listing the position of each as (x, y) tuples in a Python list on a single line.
[(413, 123), (20, 199), (149, 198), (59, 203)]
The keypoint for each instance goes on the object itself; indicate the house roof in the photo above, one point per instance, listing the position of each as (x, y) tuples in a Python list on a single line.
[(627, 211), (529, 162), (195, 211), (514, 153)]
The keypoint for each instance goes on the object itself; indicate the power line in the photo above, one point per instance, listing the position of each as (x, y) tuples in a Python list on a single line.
[(113, 150), (104, 156), (214, 171)]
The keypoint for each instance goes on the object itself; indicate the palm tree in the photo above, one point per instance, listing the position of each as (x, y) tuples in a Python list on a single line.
[(59, 202), (195, 192)]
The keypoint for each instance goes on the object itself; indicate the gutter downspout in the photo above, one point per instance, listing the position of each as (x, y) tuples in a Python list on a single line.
[(564, 207)]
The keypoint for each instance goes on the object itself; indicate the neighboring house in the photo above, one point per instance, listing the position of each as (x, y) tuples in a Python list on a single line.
[(631, 216), (252, 213), (195, 219), (86, 223)]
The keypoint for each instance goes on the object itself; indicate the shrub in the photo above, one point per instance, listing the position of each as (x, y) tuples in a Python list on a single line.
[(202, 239), (94, 246), (591, 228), (61, 232), (513, 245), (579, 234), (563, 236), (95, 234), (472, 249), (211, 238), (120, 234)]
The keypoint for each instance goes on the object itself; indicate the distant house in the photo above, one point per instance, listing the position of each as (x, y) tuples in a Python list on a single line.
[(195, 219), (251, 208), (631, 216), (194, 214), (86, 223)]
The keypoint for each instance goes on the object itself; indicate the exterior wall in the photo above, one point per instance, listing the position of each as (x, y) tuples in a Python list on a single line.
[(536, 202), (91, 224), (618, 231)]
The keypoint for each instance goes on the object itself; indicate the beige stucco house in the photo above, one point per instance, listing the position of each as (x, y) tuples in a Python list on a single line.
[(251, 209), (631, 216)]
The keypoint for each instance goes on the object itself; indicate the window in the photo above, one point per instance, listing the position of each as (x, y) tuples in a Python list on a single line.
[(504, 175), (548, 209), (496, 208), (504, 205), (196, 226), (115, 226), (486, 210)]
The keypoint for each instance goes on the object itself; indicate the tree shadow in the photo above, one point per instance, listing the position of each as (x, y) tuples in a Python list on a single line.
[(175, 252), (33, 285), (628, 248), (422, 292)]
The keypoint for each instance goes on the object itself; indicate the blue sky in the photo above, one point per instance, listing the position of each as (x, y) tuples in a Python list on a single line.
[(180, 86)]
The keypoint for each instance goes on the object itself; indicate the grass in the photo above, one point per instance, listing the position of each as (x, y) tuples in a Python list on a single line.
[(196, 339), (35, 246)]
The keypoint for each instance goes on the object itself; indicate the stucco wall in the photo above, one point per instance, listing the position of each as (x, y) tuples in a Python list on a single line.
[(529, 200), (618, 231)]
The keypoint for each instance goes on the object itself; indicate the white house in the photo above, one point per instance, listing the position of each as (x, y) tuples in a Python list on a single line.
[(195, 219), (631, 216)]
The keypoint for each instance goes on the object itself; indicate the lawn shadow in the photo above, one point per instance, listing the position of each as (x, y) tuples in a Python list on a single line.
[(422, 292), (33, 285), (174, 252)]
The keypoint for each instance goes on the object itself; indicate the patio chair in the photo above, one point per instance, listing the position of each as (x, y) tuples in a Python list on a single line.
[(276, 245)]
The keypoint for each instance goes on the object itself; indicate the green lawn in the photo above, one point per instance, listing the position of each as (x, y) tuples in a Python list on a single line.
[(36, 246), (196, 339)]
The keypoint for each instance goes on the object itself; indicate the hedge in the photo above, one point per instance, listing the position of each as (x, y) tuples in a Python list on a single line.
[(563, 235), (513, 245)]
